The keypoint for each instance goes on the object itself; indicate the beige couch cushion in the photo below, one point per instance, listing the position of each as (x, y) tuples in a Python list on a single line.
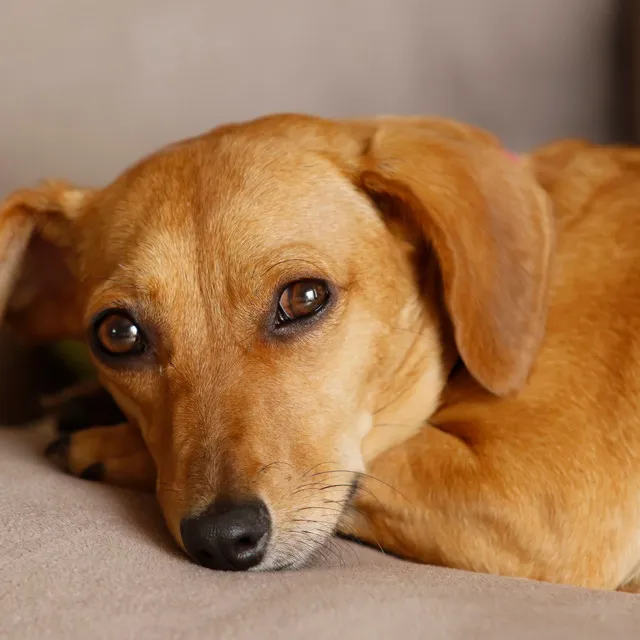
[(81, 560)]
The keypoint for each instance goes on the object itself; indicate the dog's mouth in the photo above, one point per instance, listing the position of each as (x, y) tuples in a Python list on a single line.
[(309, 541), (249, 535)]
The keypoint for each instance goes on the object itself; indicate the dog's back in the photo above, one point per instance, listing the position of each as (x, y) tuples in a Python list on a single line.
[(575, 428), (593, 325), (590, 364)]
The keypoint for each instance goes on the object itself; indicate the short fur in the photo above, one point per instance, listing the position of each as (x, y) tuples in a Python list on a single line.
[(478, 370)]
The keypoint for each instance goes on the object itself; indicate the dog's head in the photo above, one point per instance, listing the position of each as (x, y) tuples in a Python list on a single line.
[(267, 301)]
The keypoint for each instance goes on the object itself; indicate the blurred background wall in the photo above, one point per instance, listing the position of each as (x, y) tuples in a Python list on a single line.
[(88, 86)]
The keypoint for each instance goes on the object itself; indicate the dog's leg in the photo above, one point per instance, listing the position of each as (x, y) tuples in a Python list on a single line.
[(82, 407), (436, 499), (411, 501), (115, 454)]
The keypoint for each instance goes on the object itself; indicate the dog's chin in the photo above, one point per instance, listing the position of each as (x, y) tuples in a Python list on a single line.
[(296, 553), (302, 543), (285, 564)]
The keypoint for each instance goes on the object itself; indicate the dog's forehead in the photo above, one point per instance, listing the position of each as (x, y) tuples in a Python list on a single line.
[(227, 204), (228, 185)]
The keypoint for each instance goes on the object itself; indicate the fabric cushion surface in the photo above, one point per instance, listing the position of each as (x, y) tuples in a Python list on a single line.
[(79, 560)]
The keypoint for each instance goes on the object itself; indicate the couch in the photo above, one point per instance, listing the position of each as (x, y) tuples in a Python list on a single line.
[(89, 87)]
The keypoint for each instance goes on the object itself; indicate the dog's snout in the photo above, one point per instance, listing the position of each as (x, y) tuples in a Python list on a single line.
[(229, 535)]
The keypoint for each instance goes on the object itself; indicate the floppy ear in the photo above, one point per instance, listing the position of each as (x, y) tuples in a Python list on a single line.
[(491, 228), (38, 280)]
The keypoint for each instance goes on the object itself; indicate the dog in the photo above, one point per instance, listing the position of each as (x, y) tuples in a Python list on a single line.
[(389, 327)]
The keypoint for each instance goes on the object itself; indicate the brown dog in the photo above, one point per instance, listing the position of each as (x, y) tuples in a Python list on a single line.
[(285, 307)]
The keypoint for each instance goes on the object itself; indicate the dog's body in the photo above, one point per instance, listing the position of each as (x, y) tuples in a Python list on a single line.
[(306, 291), (560, 459)]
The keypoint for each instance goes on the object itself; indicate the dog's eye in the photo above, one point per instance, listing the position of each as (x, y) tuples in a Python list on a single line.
[(301, 299), (116, 334)]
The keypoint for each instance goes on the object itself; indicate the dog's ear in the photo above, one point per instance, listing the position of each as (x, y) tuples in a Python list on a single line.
[(39, 286), (491, 228)]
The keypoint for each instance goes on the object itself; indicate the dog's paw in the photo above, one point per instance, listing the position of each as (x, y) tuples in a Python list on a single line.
[(115, 454), (82, 407), (73, 455)]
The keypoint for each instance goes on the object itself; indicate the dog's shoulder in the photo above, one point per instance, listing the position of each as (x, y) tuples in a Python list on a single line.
[(578, 175)]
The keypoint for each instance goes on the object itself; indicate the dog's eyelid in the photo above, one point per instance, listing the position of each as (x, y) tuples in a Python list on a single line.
[(103, 304)]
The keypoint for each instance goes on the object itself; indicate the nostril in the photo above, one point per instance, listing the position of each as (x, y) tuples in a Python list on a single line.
[(246, 542)]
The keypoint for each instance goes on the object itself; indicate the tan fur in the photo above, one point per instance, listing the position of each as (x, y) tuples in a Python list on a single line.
[(522, 462)]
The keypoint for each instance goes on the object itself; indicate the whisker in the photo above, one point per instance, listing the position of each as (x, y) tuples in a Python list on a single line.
[(367, 521), (313, 549), (362, 474), (317, 507), (322, 544), (326, 526), (273, 464), (323, 473), (360, 488), (315, 466), (336, 486), (336, 550), (306, 487)]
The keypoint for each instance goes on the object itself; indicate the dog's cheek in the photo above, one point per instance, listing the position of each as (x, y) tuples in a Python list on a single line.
[(351, 442)]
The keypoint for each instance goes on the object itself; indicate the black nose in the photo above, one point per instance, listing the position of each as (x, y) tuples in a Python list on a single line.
[(230, 536)]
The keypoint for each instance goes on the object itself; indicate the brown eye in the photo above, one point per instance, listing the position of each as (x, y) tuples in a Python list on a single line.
[(302, 299), (116, 334)]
